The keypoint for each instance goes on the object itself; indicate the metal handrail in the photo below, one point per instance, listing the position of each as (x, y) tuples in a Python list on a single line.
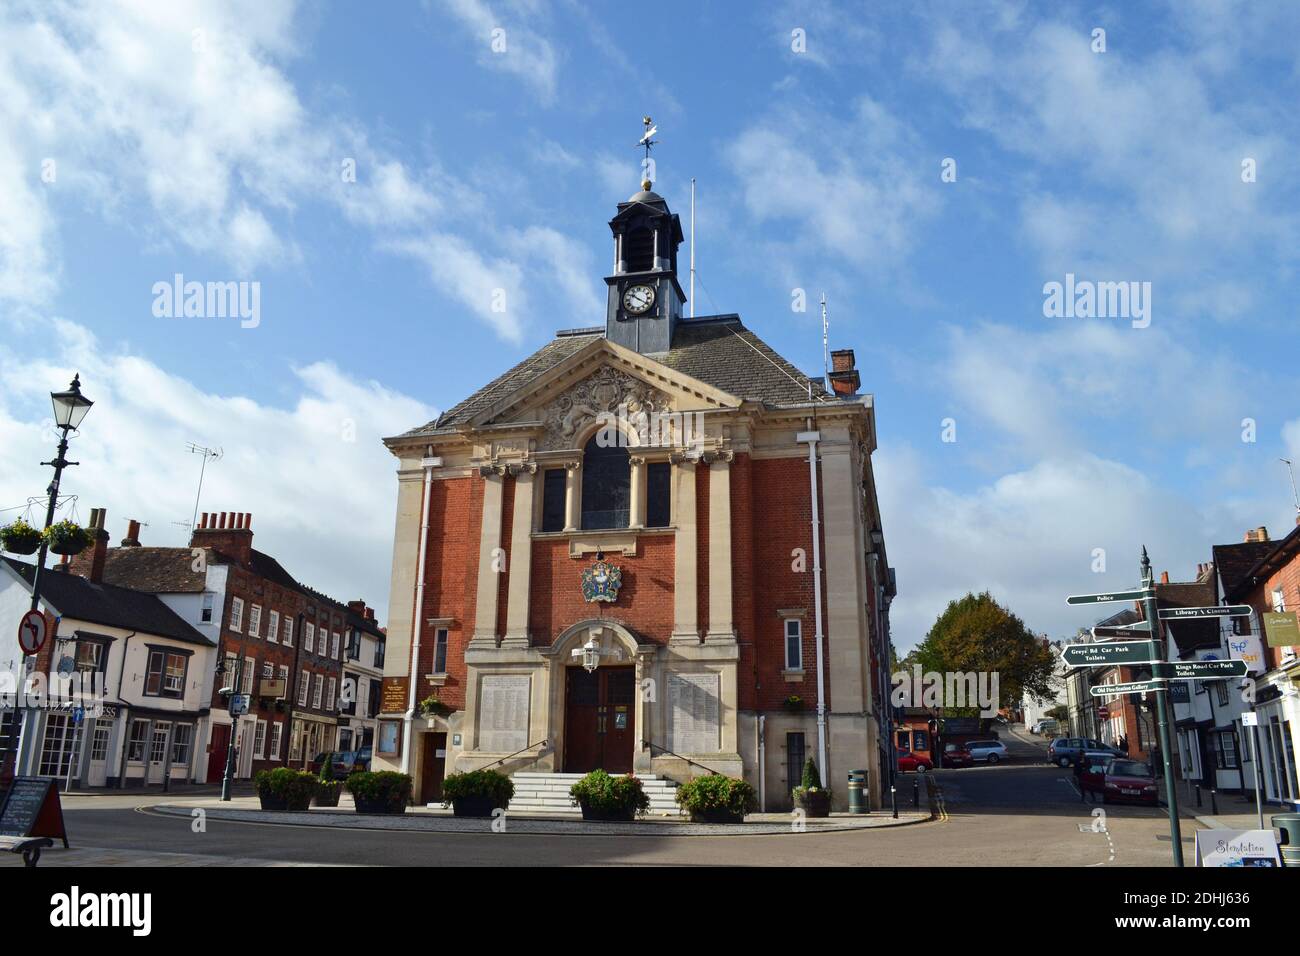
[(694, 763), (540, 743)]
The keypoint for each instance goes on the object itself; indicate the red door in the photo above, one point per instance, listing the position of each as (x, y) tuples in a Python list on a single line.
[(598, 719), (217, 753), (435, 765)]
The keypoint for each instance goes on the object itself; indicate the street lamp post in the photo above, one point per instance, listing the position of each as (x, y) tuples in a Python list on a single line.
[(70, 407)]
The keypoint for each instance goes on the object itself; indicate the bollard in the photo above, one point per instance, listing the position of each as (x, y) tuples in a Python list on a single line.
[(1198, 795), (1214, 801), (893, 799), (857, 792), (916, 794), (1289, 845)]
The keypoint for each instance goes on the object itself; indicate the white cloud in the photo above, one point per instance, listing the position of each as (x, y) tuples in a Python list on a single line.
[(520, 47), (324, 492)]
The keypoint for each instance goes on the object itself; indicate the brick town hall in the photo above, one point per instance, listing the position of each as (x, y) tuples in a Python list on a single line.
[(605, 557)]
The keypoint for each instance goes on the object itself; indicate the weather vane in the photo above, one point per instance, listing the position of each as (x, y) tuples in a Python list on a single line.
[(647, 141)]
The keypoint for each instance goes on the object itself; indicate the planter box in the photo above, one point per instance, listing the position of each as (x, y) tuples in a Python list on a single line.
[(815, 804), (379, 806), (610, 816), (271, 801), (717, 816), (328, 796), (473, 806)]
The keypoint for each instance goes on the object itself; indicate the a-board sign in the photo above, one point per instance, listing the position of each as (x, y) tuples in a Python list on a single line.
[(32, 808), (1237, 848)]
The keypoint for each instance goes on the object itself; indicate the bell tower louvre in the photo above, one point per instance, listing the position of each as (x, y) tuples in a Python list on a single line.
[(741, 620)]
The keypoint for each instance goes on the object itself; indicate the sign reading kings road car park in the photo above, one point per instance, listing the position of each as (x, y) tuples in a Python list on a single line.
[(1199, 670)]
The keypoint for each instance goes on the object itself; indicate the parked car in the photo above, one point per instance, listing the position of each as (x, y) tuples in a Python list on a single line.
[(987, 751), (1064, 750), (1046, 728), (908, 761), (344, 763), (1130, 780), (1093, 778), (363, 758), (956, 755)]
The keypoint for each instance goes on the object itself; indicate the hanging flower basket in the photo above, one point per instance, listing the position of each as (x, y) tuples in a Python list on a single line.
[(431, 706), (19, 537), (66, 537)]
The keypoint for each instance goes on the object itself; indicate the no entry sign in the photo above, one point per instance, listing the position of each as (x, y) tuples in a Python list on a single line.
[(31, 632)]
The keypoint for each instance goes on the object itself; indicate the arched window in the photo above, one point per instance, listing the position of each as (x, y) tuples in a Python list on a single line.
[(606, 481)]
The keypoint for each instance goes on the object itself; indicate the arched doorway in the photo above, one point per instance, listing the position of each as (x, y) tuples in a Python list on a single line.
[(599, 706)]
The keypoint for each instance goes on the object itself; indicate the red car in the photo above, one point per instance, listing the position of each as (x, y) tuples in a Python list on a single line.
[(1093, 778), (1130, 780), (956, 755), (908, 761)]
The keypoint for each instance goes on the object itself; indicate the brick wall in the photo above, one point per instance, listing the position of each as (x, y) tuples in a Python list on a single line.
[(451, 570)]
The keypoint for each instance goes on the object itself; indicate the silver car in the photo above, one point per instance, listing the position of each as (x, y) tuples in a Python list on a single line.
[(987, 751)]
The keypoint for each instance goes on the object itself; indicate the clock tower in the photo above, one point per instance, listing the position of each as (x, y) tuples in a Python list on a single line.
[(645, 298)]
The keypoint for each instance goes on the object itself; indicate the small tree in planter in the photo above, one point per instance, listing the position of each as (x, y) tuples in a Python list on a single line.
[(477, 793), (717, 799), (810, 796), (603, 797), (383, 791), (18, 537), (327, 788), (284, 789), (67, 537)]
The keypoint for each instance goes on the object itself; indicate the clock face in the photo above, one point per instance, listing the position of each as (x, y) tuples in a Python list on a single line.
[(638, 299)]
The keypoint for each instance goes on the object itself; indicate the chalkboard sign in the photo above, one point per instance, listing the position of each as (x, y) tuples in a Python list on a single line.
[(32, 808)]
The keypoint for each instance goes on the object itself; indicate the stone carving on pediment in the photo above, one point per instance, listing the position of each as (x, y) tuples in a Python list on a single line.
[(607, 393)]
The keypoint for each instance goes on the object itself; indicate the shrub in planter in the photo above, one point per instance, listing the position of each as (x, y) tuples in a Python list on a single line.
[(794, 702), (603, 797), (477, 793), (327, 788), (284, 789), (383, 791), (717, 799), (810, 796), (18, 537)]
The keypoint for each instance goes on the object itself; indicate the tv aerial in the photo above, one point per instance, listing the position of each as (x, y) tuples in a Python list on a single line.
[(209, 454)]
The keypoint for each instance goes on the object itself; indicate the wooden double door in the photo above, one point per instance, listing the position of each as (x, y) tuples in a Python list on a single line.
[(599, 719)]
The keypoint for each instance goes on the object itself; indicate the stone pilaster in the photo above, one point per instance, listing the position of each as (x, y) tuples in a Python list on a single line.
[(686, 625), (572, 495), (721, 628), (521, 557), (485, 607), (637, 493)]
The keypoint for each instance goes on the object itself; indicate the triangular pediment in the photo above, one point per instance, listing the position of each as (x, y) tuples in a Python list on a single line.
[(600, 378)]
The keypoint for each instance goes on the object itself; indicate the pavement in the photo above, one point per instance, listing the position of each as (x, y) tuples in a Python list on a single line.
[(1023, 812)]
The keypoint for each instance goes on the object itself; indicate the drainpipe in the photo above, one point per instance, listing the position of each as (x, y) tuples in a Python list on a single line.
[(428, 463), (812, 438), (762, 765)]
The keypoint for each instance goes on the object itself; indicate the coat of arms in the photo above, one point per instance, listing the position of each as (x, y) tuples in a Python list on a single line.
[(601, 581)]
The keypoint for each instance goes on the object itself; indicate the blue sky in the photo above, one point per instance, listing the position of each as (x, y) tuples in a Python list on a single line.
[(210, 140)]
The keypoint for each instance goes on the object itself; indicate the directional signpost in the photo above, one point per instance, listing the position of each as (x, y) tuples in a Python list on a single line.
[(1151, 652), (1105, 632), (1225, 610)]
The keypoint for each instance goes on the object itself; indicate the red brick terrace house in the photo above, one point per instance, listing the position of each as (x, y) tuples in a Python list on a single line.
[(682, 468)]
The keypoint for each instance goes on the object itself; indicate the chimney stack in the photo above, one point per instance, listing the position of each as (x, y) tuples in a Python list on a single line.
[(1164, 577), (843, 375), (132, 539), (90, 563), (228, 532), (1258, 534)]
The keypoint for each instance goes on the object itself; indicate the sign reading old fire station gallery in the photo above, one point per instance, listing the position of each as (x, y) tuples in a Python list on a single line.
[(1111, 652), (1132, 687)]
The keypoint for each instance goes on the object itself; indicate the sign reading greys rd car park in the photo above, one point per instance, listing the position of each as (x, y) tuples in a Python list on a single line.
[(1119, 690), (31, 632), (1226, 610), (1199, 670), (1114, 596), (1111, 652)]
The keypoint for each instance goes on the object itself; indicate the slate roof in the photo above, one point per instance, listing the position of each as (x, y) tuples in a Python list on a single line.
[(169, 570), (76, 597), (1235, 561), (718, 350)]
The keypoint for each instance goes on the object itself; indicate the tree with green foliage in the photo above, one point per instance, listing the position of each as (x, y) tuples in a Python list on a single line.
[(811, 778), (977, 634)]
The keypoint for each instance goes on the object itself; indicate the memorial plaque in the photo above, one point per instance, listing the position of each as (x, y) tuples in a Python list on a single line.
[(503, 713), (694, 708), (393, 695)]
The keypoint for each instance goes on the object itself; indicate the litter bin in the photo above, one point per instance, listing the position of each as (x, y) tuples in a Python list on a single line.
[(858, 796), (1289, 824)]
